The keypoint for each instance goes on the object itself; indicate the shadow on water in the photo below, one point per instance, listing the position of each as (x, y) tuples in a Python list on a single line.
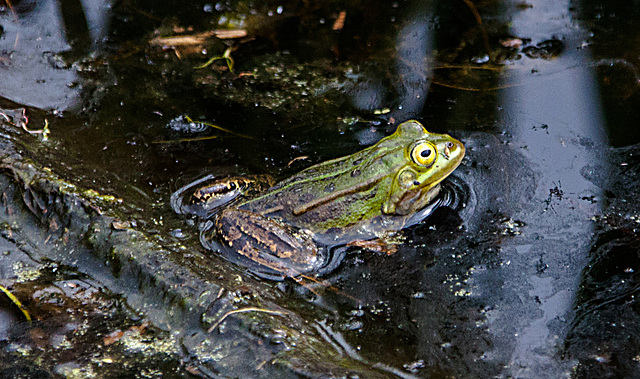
[(534, 274)]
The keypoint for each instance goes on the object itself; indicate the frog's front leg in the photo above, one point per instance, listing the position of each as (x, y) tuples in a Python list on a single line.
[(207, 195), (278, 250)]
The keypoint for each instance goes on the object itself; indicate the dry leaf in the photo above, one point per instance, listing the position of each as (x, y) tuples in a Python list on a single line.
[(198, 38), (113, 337), (339, 23)]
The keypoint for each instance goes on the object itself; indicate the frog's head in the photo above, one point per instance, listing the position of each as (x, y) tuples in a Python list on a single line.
[(428, 159)]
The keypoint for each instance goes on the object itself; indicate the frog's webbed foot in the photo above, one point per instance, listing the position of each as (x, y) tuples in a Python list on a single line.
[(269, 247), (386, 245), (207, 195)]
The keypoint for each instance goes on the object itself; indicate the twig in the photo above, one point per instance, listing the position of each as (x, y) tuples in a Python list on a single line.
[(242, 310), (485, 37)]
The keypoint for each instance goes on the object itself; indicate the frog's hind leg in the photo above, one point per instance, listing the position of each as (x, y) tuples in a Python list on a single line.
[(205, 196), (182, 200)]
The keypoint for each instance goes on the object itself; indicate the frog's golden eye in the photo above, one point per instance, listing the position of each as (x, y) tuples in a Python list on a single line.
[(424, 154)]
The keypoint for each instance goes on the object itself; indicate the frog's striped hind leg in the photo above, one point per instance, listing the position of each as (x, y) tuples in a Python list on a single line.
[(205, 196)]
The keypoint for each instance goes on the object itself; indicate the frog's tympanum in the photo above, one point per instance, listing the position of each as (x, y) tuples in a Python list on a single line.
[(283, 230)]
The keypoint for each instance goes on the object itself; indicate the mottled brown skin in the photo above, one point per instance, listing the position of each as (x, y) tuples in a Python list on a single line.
[(267, 241)]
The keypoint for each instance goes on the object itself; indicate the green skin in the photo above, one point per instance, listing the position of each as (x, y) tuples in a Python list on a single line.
[(368, 195)]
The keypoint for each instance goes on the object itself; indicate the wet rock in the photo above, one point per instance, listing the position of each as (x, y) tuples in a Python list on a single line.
[(100, 294)]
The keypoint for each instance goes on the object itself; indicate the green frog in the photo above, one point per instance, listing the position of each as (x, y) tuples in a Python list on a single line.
[(285, 229)]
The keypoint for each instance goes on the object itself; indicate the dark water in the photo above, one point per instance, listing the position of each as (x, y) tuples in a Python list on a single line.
[(535, 277)]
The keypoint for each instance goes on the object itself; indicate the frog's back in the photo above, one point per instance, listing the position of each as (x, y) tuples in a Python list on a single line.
[(335, 194)]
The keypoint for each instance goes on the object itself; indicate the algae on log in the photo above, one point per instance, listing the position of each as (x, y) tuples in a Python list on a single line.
[(168, 288)]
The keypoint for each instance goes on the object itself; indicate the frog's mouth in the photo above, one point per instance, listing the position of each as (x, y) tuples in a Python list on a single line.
[(416, 199)]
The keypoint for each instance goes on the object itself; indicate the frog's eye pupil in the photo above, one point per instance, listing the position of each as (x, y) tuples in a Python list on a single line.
[(424, 154)]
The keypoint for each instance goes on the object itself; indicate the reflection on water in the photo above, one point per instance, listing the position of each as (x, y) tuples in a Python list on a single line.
[(413, 63), (33, 45), (556, 122)]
